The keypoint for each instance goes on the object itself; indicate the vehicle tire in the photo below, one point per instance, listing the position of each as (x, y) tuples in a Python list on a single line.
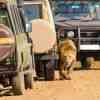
[(90, 61), (87, 62), (83, 62), (18, 84), (29, 76), (29, 81), (49, 72)]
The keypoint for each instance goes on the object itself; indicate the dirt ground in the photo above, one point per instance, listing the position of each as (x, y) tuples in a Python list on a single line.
[(85, 85)]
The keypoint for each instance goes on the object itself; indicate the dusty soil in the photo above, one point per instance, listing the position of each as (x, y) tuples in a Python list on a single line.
[(85, 85)]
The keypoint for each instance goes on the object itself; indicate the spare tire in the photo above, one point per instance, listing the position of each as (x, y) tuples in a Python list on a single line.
[(6, 42), (43, 36)]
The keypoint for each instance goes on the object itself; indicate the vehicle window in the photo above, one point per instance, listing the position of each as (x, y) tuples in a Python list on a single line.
[(73, 8), (4, 19), (77, 9), (32, 11)]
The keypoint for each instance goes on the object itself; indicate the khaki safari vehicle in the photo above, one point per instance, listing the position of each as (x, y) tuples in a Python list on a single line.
[(39, 21), (16, 71)]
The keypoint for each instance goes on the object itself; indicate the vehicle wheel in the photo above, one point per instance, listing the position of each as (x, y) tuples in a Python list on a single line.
[(87, 62), (29, 81), (49, 72), (90, 61), (29, 76), (18, 84), (83, 62)]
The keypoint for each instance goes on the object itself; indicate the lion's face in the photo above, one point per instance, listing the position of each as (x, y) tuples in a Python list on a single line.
[(67, 54), (68, 58)]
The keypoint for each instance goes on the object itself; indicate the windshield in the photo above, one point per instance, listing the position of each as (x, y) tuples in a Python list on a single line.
[(77, 9)]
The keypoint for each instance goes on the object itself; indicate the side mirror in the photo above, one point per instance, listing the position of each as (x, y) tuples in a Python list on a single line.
[(28, 27), (43, 36)]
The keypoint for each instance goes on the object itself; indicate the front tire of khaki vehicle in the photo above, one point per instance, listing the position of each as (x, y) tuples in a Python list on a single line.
[(29, 81), (18, 84)]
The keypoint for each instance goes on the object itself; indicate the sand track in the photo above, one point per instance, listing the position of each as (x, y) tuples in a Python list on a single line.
[(85, 85)]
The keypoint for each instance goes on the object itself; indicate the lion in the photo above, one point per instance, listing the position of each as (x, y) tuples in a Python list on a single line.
[(67, 57)]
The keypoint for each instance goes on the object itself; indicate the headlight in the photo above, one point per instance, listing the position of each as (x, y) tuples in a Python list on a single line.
[(70, 34)]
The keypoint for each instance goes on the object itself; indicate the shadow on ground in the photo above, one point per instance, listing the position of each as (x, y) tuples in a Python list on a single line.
[(76, 69), (6, 93)]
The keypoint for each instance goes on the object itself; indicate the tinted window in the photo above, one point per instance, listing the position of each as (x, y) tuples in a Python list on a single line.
[(73, 8), (32, 11)]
